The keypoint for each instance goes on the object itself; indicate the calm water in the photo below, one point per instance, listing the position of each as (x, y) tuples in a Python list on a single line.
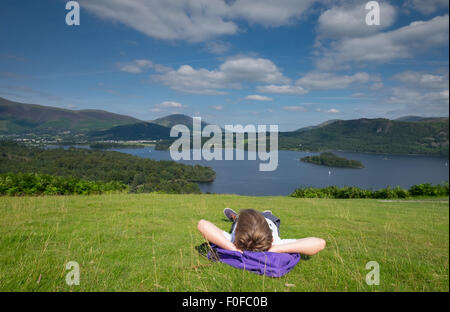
[(242, 176)]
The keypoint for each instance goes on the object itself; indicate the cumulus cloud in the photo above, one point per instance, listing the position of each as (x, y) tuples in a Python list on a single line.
[(405, 42), (217, 47), (170, 104), (252, 70), (217, 107), (409, 101), (419, 93), (426, 7), (323, 81), (256, 97), (195, 20), (135, 67), (328, 111), (317, 81), (166, 105), (377, 86), (190, 80), (282, 89), (422, 80), (231, 74), (349, 20)]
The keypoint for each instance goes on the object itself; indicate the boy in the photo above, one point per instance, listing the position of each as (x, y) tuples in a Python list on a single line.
[(255, 231)]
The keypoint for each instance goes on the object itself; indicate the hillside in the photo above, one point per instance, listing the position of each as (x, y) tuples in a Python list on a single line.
[(323, 124), (373, 136), (419, 118), (17, 118), (132, 132), (146, 242), (175, 119), (158, 129)]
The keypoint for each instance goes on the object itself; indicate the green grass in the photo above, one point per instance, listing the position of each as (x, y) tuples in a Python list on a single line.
[(147, 242)]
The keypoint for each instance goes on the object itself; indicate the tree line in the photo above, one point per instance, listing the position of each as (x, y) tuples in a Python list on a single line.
[(139, 174), (425, 189)]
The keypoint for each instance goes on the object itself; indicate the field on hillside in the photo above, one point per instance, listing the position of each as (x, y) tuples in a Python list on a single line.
[(147, 242)]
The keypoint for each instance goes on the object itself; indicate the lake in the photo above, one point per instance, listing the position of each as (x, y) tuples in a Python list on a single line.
[(243, 177)]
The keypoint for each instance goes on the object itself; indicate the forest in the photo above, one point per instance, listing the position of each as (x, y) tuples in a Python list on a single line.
[(139, 174)]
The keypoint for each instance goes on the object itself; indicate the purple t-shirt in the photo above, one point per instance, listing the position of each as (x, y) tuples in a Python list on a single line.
[(267, 263)]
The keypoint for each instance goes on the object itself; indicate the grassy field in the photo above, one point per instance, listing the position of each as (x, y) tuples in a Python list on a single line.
[(147, 243)]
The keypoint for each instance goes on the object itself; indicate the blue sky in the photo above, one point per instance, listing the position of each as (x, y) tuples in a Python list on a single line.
[(287, 62)]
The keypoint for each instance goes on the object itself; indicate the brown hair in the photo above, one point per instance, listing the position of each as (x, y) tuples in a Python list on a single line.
[(252, 231)]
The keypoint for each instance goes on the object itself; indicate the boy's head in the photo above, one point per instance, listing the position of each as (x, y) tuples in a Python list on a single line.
[(252, 231)]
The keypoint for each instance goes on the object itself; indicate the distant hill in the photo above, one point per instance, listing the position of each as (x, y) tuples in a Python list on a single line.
[(176, 119), (132, 132), (18, 118), (373, 136), (158, 129), (323, 124), (420, 119)]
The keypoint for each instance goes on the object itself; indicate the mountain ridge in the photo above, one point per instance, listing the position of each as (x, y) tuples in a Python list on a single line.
[(18, 118), (405, 135)]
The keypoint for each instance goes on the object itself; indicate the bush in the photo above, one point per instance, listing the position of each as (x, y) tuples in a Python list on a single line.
[(37, 184), (385, 193), (427, 189)]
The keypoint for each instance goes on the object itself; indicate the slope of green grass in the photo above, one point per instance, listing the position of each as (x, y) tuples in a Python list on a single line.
[(146, 242)]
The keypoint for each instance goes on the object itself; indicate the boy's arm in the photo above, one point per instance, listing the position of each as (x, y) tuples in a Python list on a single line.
[(306, 246), (215, 235)]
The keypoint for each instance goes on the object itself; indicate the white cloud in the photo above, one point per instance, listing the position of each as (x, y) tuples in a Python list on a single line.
[(195, 20), (405, 42), (199, 81), (170, 104), (256, 97), (231, 74), (376, 86), (317, 81), (427, 81), (166, 105), (426, 7), (217, 47), (295, 108), (323, 81), (269, 12), (282, 89), (419, 93), (409, 101), (135, 67), (349, 20), (252, 70), (217, 107), (328, 111), (161, 68)]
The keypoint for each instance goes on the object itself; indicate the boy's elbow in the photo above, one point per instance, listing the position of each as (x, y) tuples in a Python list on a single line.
[(201, 225), (322, 244)]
